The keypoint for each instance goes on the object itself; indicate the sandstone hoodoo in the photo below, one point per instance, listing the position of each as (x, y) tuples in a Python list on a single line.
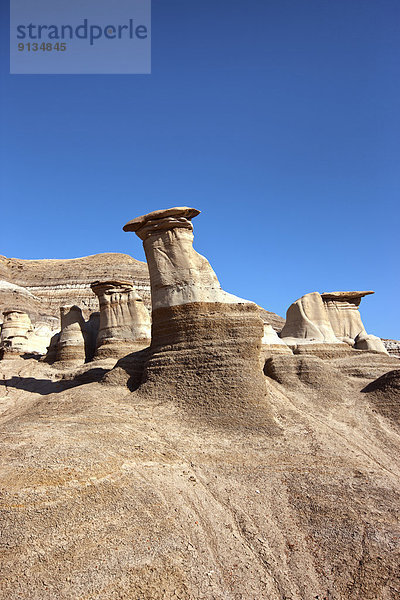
[(203, 338), (71, 343), (125, 324), (329, 318), (15, 331), (343, 313)]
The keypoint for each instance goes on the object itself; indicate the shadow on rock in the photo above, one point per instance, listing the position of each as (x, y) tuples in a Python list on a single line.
[(47, 386), (384, 395)]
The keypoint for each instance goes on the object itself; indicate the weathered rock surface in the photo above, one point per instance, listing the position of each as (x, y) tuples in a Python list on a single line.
[(125, 324), (365, 341), (343, 313), (71, 342), (272, 344), (392, 347), (204, 340), (178, 274), (51, 284), (19, 336), (112, 494), (186, 471), (41, 287), (307, 321), (329, 318)]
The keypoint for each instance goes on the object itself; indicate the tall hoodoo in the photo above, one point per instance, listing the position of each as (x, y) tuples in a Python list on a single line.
[(204, 341), (125, 324), (178, 274)]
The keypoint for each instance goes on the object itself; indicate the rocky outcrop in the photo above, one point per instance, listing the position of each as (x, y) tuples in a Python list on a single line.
[(344, 315), (272, 344), (392, 347), (365, 341), (204, 340), (178, 274), (330, 318), (307, 321), (125, 324)]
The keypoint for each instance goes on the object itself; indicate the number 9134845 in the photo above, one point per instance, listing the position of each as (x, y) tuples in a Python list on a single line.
[(44, 47)]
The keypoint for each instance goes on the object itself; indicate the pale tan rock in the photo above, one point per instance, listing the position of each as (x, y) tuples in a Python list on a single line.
[(125, 323), (178, 274), (365, 341), (343, 313), (15, 331), (71, 343), (272, 344), (203, 338), (307, 321)]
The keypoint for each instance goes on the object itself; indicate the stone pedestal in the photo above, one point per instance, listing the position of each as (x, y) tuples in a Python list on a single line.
[(125, 325), (71, 343), (15, 332), (205, 348)]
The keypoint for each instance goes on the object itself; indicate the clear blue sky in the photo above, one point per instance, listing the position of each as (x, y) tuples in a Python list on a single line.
[(278, 119)]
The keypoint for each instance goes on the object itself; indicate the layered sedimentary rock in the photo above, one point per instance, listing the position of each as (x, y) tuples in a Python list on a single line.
[(41, 287), (71, 341), (392, 347), (204, 340), (344, 315), (15, 331), (330, 318), (272, 344), (178, 274), (125, 324)]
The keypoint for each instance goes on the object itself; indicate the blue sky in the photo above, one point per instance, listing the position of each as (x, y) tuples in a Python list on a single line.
[(278, 119)]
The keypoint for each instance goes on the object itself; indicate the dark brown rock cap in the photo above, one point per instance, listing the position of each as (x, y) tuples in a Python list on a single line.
[(111, 283), (177, 211), (345, 295)]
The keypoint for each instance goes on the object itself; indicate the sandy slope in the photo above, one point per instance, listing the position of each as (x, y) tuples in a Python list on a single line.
[(112, 494)]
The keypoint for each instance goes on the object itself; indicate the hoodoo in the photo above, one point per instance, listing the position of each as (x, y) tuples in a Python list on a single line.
[(71, 343), (15, 331), (124, 320), (204, 340)]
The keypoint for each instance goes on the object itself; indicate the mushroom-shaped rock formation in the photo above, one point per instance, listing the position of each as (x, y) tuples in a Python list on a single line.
[(71, 343), (307, 321), (343, 313), (333, 319), (15, 331), (178, 274), (125, 324), (205, 342)]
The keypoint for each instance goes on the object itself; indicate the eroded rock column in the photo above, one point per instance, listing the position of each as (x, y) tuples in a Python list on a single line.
[(15, 332), (125, 324), (206, 343), (71, 343)]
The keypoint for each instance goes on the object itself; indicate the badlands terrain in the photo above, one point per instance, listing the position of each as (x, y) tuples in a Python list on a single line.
[(175, 447)]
